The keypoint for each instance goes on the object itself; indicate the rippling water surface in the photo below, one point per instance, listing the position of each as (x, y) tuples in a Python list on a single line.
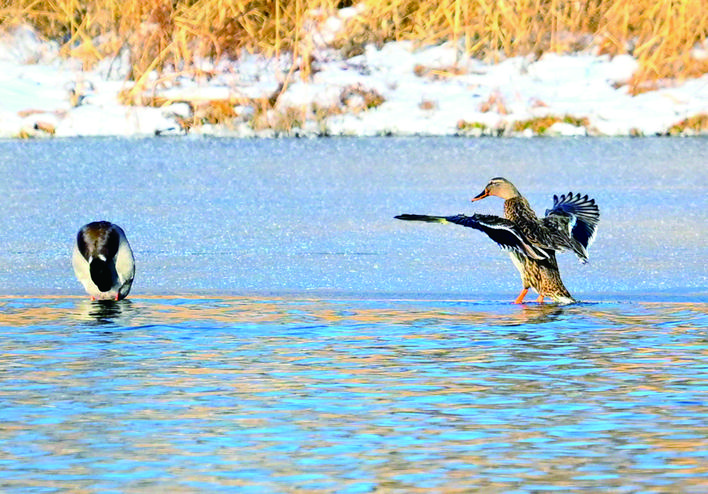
[(285, 334), (282, 394)]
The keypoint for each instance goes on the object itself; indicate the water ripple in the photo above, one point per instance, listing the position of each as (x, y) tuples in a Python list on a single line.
[(281, 394)]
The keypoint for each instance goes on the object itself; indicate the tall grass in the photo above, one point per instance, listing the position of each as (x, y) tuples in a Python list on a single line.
[(175, 34)]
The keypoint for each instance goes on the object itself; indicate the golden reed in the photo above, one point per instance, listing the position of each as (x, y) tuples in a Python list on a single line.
[(176, 33)]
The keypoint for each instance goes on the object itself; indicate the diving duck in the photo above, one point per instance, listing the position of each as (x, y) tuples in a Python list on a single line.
[(570, 225), (103, 261)]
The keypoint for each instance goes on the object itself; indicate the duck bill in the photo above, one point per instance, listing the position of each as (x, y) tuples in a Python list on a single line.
[(481, 195)]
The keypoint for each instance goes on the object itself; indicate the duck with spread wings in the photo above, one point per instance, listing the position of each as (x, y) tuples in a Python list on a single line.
[(532, 242)]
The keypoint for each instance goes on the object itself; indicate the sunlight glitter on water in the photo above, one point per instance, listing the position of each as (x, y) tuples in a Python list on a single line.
[(367, 354), (279, 394)]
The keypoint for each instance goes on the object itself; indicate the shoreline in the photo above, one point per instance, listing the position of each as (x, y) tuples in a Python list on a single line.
[(396, 90)]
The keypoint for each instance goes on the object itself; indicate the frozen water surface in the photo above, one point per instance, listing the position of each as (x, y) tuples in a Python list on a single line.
[(234, 216), (286, 334)]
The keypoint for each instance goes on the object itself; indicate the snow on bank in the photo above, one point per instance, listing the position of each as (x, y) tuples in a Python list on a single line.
[(395, 90)]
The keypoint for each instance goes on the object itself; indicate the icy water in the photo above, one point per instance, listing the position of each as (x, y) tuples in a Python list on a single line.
[(285, 334)]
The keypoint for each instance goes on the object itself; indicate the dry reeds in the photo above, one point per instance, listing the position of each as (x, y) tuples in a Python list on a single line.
[(176, 34)]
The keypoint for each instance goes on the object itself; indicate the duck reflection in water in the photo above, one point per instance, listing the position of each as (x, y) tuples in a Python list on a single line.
[(540, 314), (104, 311)]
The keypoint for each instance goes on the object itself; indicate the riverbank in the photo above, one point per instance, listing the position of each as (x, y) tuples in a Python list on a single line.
[(396, 89)]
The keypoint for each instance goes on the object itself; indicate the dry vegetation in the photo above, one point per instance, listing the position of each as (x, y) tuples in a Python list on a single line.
[(540, 125), (691, 126), (173, 34), (537, 126)]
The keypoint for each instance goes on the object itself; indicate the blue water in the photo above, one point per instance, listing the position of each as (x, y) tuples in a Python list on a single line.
[(285, 334)]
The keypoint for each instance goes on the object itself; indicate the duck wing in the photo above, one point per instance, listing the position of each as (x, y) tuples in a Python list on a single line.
[(500, 230), (580, 215)]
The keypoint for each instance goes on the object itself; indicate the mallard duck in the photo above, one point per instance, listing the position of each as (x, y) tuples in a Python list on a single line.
[(571, 224), (103, 261)]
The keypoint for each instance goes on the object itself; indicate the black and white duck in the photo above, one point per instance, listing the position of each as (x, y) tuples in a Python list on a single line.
[(103, 261)]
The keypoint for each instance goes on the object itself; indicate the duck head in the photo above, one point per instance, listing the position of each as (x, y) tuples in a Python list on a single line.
[(499, 187)]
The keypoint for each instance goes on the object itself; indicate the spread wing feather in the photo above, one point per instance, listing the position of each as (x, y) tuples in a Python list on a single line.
[(500, 230), (582, 216), (583, 213)]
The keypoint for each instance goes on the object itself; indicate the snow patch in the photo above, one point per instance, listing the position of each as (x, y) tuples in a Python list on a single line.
[(396, 89)]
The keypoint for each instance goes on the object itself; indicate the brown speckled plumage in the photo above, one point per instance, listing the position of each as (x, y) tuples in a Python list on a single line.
[(570, 224), (555, 232), (541, 275)]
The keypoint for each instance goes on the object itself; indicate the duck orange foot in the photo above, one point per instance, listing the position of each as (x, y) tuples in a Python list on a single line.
[(521, 296)]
